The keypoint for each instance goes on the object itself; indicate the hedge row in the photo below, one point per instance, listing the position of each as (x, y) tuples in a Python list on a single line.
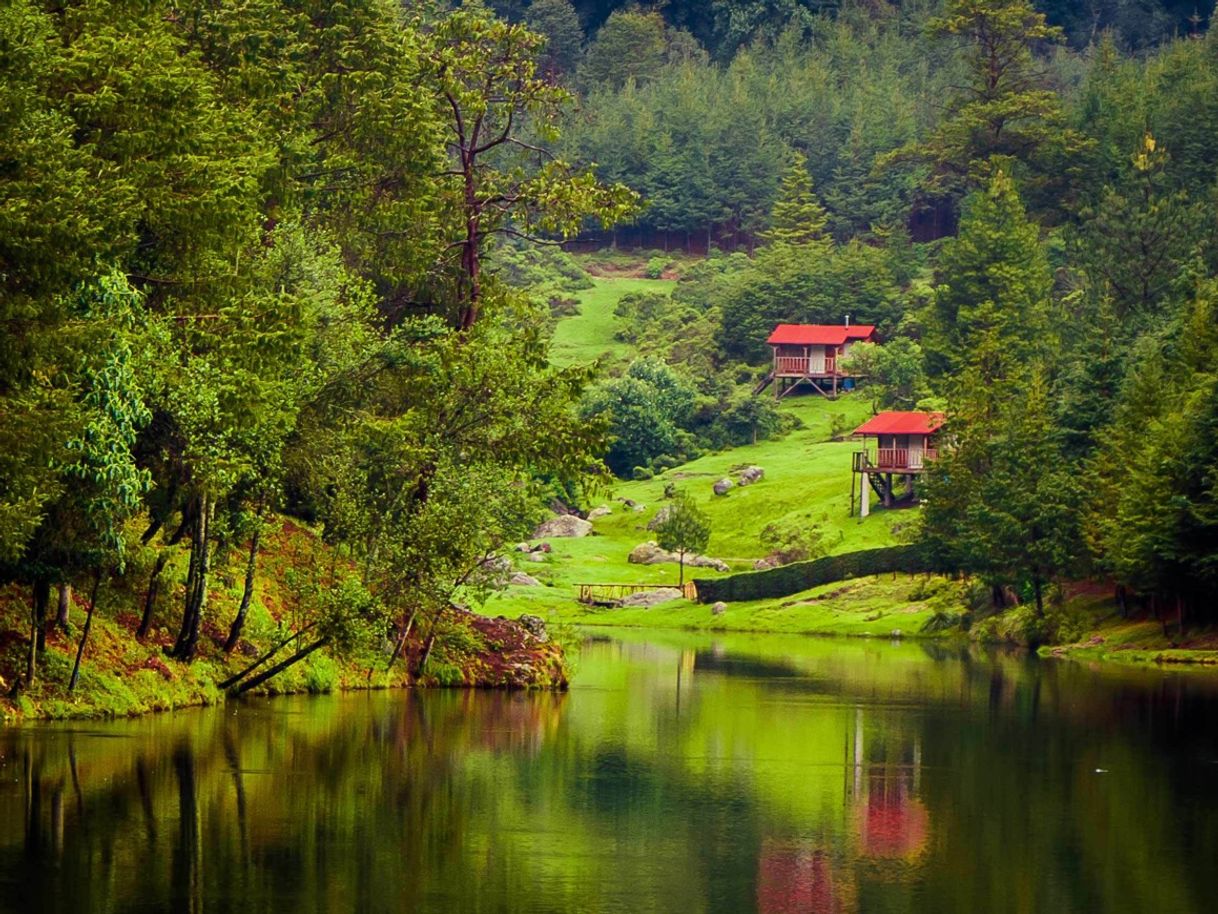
[(797, 577)]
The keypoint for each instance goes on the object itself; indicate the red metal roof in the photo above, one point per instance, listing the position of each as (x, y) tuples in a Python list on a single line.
[(897, 423), (819, 334)]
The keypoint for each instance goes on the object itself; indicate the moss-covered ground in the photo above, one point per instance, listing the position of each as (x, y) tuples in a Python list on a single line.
[(122, 675)]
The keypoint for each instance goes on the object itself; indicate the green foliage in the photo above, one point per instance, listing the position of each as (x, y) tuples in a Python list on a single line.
[(797, 216), (647, 411), (656, 267), (558, 23), (685, 529), (797, 541), (1008, 115), (991, 309), (800, 576), (894, 373), (630, 46)]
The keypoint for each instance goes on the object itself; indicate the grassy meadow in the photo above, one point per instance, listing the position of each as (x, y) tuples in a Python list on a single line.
[(807, 482)]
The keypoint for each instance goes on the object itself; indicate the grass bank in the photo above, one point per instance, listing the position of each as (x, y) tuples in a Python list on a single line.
[(122, 675)]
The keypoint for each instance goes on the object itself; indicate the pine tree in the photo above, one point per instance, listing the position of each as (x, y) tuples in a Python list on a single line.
[(797, 216), (991, 309)]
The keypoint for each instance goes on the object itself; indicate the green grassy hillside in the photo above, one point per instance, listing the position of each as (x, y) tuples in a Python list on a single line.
[(588, 335), (807, 481)]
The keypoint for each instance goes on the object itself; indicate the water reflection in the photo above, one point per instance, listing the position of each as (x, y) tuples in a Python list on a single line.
[(680, 774)]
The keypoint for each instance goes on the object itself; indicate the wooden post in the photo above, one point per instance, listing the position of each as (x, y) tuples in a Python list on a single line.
[(865, 496)]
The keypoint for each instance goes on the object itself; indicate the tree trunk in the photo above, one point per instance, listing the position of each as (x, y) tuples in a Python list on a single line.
[(681, 567), (64, 613), (154, 582), (1038, 589), (84, 635), (196, 601), (278, 668), (237, 677), (42, 599), (251, 566), (1122, 601), (397, 648)]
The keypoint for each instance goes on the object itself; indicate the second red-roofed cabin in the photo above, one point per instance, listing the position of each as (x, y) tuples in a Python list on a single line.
[(896, 448), (812, 354)]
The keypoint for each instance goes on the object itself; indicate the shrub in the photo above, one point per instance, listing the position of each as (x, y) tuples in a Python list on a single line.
[(656, 267), (800, 576)]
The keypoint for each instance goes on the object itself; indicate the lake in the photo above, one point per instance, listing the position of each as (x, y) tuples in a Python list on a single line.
[(681, 773)]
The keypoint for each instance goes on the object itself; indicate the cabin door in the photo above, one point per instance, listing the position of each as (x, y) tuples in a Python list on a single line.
[(816, 360), (915, 451)]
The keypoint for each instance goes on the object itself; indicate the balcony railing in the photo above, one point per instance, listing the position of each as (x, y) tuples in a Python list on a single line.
[(896, 459), (798, 365)]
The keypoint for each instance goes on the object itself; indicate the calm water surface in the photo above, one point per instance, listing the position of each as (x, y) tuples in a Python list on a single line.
[(680, 774)]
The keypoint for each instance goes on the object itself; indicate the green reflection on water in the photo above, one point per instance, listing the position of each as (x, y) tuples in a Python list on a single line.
[(682, 773)]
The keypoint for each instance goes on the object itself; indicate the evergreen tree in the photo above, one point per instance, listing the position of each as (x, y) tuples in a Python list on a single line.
[(991, 307), (797, 216)]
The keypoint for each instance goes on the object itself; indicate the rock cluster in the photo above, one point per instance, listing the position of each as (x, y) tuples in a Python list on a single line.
[(564, 525), (650, 553), (652, 597)]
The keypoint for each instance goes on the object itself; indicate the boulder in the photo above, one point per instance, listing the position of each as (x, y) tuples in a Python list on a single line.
[(536, 557), (661, 516), (602, 511), (566, 525), (522, 547), (765, 564), (650, 553), (535, 626), (719, 609), (750, 475), (723, 486), (520, 579), (652, 597), (639, 509)]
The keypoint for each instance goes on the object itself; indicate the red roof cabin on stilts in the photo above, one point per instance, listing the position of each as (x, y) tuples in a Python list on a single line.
[(896, 447), (812, 354)]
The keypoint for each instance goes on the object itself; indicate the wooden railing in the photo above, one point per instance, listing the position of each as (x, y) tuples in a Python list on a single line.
[(798, 365), (894, 458), (610, 593)]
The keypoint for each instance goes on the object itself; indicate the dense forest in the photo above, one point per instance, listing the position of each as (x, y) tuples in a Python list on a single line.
[(258, 258)]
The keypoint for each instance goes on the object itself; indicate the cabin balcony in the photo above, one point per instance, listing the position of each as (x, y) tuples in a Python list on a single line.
[(894, 460), (795, 366)]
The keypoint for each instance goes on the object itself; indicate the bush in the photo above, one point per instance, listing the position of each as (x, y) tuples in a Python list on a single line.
[(641, 473), (800, 576), (656, 267)]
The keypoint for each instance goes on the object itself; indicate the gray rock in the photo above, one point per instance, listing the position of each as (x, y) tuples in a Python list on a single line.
[(765, 564), (522, 547), (653, 597), (628, 502), (750, 475), (536, 557), (566, 525), (650, 553), (542, 547), (661, 516), (520, 579), (723, 486), (535, 626), (602, 511), (639, 509), (719, 609)]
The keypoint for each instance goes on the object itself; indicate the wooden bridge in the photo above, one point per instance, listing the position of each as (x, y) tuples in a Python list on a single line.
[(611, 594)]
